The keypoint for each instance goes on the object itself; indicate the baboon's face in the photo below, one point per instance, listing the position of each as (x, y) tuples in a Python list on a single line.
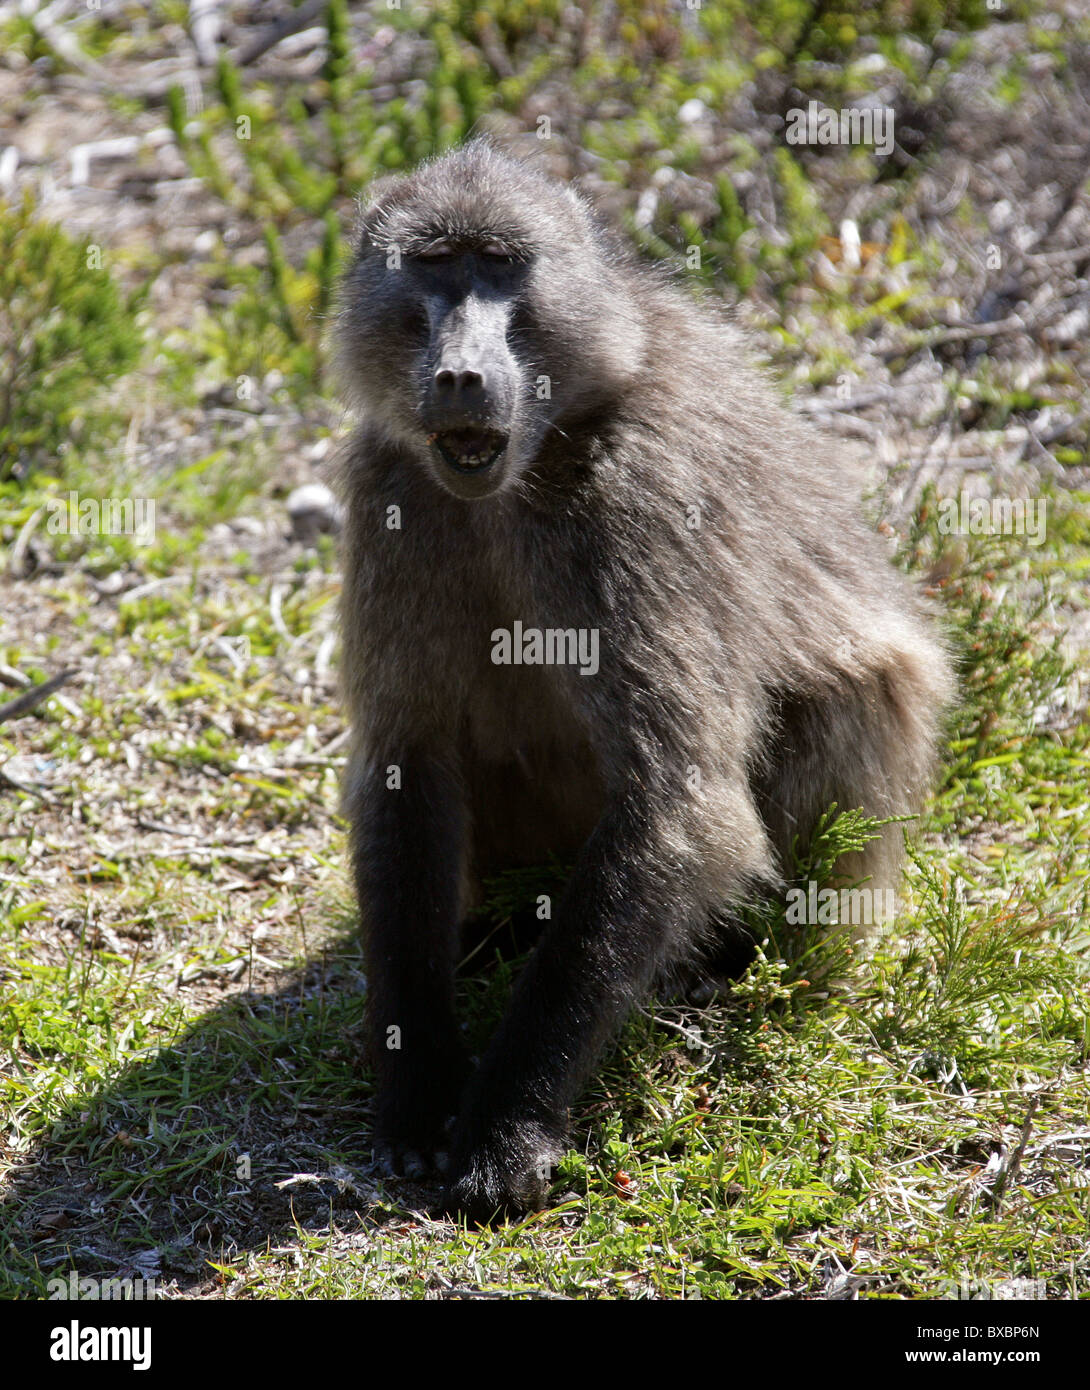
[(452, 304), (479, 313)]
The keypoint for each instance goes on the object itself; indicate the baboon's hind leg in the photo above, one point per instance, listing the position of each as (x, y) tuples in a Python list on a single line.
[(867, 743)]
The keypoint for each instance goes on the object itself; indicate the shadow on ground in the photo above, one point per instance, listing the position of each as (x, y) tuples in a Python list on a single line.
[(251, 1125), (249, 1129)]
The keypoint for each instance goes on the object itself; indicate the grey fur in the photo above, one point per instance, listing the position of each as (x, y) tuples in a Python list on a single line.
[(770, 645)]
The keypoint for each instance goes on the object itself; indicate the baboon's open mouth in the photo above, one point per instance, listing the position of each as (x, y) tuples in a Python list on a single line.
[(470, 450)]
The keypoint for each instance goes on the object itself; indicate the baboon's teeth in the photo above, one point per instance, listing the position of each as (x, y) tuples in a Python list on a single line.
[(470, 449)]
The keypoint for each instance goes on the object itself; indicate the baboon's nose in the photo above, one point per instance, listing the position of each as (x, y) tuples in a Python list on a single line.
[(452, 383), (460, 393)]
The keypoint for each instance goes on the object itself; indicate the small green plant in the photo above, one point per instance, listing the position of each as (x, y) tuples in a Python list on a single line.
[(972, 976), (66, 330)]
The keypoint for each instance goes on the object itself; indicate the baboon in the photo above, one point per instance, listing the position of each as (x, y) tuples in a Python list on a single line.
[(604, 599)]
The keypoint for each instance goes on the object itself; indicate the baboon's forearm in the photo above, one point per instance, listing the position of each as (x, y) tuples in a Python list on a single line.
[(409, 816), (623, 916)]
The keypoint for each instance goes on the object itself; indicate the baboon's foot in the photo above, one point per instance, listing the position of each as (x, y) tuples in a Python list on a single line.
[(502, 1176)]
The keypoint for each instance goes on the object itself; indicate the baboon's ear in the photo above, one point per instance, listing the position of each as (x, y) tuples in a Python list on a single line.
[(377, 189), (368, 207)]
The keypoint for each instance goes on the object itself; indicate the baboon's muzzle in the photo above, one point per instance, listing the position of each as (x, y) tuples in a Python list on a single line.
[(470, 393)]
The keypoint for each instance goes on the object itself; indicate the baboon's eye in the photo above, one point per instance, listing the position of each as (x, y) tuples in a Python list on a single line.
[(440, 252)]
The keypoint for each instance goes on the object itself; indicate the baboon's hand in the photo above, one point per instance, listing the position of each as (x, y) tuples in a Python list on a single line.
[(502, 1173), (414, 1118), (411, 1159)]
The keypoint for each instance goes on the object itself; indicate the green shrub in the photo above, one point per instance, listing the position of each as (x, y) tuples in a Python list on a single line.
[(65, 332)]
